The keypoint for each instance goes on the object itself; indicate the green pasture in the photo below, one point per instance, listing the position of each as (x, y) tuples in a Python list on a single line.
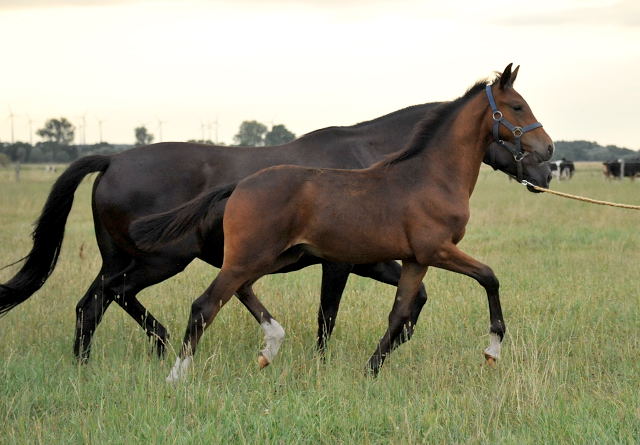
[(570, 370)]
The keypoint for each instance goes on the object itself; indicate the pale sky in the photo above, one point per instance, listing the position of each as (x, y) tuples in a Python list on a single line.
[(310, 64)]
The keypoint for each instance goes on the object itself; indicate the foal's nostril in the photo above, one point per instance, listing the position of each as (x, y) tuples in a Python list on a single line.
[(549, 176), (550, 149)]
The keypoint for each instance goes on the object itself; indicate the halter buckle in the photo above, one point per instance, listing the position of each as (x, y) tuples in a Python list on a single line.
[(517, 132), (497, 115), (519, 156)]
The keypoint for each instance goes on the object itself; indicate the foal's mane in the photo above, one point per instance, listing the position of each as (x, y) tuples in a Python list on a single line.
[(427, 128)]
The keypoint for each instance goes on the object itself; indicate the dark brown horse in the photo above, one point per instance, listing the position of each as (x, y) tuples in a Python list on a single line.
[(413, 207), (159, 177)]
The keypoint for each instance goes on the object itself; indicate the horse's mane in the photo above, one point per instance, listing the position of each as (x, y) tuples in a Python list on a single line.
[(426, 128), (390, 115)]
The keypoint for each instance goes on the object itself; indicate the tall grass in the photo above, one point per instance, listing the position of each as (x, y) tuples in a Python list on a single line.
[(569, 373)]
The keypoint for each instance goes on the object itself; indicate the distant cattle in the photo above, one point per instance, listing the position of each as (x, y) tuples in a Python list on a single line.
[(562, 169), (629, 168)]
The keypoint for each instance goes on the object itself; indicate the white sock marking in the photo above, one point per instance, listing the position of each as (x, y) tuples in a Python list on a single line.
[(179, 370), (273, 337), (494, 348)]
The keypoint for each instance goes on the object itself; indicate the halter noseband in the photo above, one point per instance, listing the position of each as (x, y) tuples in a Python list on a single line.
[(515, 149)]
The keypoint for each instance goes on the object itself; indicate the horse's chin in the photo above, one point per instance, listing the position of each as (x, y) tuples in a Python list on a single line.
[(532, 190)]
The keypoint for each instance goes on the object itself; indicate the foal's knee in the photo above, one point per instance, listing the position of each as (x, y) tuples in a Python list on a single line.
[(488, 280)]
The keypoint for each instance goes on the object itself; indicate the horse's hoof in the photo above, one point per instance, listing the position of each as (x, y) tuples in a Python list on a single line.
[(490, 360), (263, 361)]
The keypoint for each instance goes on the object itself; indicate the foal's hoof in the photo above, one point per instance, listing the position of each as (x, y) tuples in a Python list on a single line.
[(263, 361), (491, 361)]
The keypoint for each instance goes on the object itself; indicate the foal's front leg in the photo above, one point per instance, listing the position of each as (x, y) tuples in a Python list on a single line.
[(403, 315), (453, 259)]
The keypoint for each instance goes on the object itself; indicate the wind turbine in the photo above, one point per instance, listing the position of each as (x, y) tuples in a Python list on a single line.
[(30, 126), (210, 126), (160, 128), (83, 127), (11, 116), (100, 122)]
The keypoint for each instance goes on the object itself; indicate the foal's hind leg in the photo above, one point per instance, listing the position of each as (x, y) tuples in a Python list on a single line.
[(403, 315), (455, 260), (273, 332), (203, 310)]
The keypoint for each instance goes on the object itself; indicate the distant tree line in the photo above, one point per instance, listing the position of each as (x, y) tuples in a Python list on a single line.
[(591, 151), (58, 134)]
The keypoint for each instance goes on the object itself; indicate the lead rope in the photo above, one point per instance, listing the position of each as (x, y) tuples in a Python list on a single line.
[(580, 198)]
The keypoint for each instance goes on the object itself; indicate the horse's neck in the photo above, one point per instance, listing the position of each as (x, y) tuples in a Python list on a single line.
[(389, 134)]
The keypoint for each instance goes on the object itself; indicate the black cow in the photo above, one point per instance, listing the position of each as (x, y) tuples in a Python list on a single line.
[(629, 168), (562, 169)]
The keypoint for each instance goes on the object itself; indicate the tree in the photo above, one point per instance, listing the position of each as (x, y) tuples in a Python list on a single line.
[(278, 135), (143, 137), (58, 135), (251, 133), (18, 151), (59, 131)]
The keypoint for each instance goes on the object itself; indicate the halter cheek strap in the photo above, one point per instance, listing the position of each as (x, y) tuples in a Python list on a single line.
[(514, 148)]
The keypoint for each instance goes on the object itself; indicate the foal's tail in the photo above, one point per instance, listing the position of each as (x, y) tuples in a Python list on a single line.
[(152, 231), (48, 233)]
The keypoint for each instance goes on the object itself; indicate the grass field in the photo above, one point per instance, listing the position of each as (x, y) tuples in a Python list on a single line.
[(570, 368)]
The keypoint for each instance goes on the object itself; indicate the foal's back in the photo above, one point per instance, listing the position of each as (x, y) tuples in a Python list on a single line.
[(331, 213)]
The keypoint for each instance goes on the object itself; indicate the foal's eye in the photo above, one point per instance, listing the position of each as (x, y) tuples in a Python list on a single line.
[(517, 107)]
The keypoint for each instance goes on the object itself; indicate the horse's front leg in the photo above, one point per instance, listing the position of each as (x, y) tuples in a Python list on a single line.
[(334, 280), (453, 259), (403, 315)]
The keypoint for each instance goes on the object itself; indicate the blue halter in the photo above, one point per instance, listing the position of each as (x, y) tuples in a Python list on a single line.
[(514, 148)]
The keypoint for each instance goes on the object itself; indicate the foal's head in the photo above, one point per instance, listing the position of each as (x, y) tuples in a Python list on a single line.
[(521, 147)]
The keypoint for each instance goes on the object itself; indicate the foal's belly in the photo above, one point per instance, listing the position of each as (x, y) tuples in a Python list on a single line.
[(357, 250)]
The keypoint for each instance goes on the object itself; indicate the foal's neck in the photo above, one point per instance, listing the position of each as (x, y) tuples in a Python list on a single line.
[(452, 158)]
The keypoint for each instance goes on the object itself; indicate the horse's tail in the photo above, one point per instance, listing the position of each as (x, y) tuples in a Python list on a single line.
[(48, 233), (152, 231)]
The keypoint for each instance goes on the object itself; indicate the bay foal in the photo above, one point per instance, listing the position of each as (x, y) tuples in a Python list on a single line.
[(412, 207)]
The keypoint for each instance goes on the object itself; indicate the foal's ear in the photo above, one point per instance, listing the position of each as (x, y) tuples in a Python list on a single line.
[(514, 74), (505, 77)]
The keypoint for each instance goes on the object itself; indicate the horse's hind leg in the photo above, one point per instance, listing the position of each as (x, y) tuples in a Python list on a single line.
[(138, 277), (89, 312), (402, 316), (152, 327), (122, 287)]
